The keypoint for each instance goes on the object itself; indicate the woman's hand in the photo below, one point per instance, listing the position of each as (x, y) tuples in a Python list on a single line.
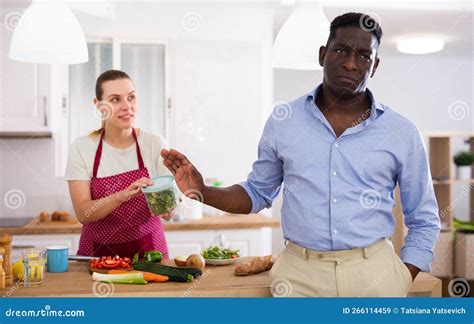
[(134, 189)]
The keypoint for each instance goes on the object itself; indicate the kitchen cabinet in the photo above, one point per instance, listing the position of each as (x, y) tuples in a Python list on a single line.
[(253, 241), (25, 94), (250, 241)]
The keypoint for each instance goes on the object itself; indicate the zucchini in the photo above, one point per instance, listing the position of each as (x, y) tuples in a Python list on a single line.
[(192, 271), (174, 274)]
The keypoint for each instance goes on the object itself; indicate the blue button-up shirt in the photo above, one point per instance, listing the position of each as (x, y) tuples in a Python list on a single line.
[(339, 191)]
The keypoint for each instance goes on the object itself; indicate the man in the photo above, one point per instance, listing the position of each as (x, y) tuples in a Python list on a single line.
[(341, 155)]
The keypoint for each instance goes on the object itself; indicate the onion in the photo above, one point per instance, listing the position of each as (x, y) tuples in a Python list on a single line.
[(195, 261), (180, 261)]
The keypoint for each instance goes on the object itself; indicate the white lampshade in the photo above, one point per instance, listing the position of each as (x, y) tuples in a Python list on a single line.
[(297, 43), (48, 33)]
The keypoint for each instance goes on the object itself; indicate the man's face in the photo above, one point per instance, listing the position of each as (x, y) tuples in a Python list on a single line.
[(349, 60)]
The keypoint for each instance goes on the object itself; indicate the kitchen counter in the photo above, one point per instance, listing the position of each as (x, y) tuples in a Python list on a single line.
[(228, 221), (215, 282)]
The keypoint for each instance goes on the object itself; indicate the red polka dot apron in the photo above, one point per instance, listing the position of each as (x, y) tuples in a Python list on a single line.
[(130, 228)]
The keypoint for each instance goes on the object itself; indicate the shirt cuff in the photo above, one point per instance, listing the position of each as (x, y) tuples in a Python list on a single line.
[(419, 258), (252, 195)]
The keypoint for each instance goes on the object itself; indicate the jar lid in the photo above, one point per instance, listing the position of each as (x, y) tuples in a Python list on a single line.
[(159, 183)]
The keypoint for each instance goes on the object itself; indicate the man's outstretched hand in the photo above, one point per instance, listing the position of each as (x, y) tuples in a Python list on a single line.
[(233, 199), (187, 177)]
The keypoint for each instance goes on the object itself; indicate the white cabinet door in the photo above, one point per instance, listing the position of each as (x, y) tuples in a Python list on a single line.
[(24, 92), (188, 242), (250, 242), (21, 242)]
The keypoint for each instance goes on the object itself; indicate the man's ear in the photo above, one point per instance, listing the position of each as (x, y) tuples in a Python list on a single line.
[(377, 61), (96, 101), (322, 54)]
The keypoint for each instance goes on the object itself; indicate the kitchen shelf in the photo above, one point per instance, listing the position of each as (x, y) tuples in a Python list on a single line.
[(441, 161), (453, 182), (440, 147)]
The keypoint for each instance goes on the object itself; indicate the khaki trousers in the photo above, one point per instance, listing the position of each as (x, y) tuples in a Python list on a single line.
[(373, 271)]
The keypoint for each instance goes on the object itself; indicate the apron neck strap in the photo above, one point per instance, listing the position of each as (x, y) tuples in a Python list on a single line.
[(98, 153)]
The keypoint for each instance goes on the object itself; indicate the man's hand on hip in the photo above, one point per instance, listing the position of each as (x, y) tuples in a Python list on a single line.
[(413, 270)]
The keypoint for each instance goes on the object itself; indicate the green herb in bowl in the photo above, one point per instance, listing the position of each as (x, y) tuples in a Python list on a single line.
[(218, 253)]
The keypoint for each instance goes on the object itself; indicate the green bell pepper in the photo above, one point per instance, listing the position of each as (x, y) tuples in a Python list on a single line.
[(152, 256)]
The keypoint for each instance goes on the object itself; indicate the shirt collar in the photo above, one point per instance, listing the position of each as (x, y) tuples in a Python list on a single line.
[(376, 106)]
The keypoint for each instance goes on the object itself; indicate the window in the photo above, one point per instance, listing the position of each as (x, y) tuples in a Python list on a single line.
[(145, 62)]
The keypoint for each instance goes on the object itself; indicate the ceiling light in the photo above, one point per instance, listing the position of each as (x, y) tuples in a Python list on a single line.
[(297, 43), (48, 33), (420, 45)]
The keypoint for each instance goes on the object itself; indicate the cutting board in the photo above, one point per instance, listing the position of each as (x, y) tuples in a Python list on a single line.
[(72, 221), (164, 262), (104, 271)]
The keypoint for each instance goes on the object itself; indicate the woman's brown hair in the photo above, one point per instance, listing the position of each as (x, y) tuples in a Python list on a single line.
[(109, 75)]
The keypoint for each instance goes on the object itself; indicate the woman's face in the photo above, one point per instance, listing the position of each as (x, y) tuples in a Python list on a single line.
[(119, 103)]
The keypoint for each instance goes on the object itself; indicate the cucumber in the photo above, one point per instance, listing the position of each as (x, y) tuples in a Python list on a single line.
[(174, 274)]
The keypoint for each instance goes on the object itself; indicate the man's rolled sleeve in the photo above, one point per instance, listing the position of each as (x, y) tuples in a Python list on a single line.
[(419, 206), (264, 182)]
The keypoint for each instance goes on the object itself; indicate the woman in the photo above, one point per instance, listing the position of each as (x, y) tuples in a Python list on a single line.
[(106, 171)]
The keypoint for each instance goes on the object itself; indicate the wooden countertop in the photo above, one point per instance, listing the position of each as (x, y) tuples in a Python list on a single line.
[(228, 221), (216, 281)]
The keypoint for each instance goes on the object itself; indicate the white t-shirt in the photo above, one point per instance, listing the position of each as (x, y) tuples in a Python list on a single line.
[(113, 160)]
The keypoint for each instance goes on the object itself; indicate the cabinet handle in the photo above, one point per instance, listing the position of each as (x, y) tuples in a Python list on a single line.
[(45, 115)]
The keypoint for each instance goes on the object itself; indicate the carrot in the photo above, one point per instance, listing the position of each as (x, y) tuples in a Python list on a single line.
[(148, 276)]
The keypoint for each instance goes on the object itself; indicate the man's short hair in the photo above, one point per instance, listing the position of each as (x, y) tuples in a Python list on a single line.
[(363, 21)]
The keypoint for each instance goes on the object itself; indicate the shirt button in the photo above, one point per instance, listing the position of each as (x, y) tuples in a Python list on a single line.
[(334, 231), (336, 145), (334, 173), (334, 200)]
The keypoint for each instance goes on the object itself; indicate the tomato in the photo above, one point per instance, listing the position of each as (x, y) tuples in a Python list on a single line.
[(108, 262), (94, 262)]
